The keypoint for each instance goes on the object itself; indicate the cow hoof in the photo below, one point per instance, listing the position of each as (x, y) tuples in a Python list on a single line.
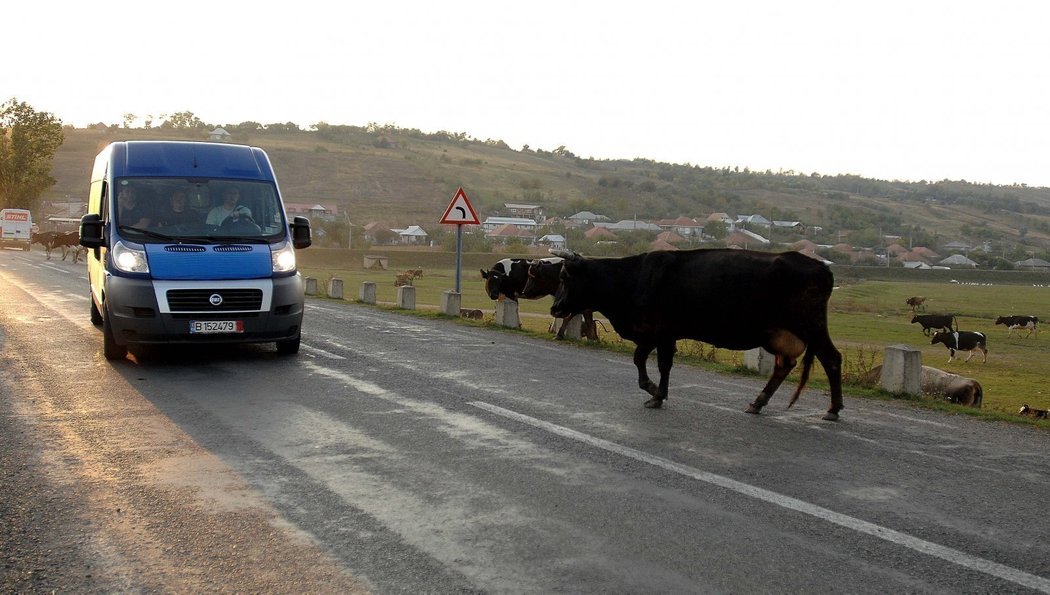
[(752, 409), (829, 416), (654, 403)]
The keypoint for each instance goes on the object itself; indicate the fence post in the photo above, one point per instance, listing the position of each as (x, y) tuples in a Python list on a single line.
[(507, 313), (335, 288), (450, 302), (368, 292), (902, 370), (406, 297), (311, 286), (760, 360)]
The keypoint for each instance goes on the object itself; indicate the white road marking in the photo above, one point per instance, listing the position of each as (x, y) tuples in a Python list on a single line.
[(320, 352), (947, 554)]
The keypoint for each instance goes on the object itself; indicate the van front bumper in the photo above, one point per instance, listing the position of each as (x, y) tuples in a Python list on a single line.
[(141, 314)]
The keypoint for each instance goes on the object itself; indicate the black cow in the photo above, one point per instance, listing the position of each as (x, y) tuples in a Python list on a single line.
[(1029, 323), (935, 322), (45, 239), (962, 341), (543, 279), (736, 299), (506, 278)]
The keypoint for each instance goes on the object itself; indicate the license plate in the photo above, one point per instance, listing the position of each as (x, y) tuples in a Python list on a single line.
[(216, 326)]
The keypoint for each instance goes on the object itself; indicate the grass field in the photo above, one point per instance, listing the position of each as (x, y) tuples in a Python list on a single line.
[(865, 317)]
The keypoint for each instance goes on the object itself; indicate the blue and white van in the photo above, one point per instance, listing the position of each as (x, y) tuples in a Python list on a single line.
[(188, 242)]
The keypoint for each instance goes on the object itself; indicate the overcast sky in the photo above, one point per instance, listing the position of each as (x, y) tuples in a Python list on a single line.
[(915, 90)]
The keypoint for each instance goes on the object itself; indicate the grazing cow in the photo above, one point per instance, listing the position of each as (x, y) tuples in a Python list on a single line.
[(962, 341), (935, 322), (506, 279), (916, 302), (402, 279), (1014, 323), (952, 387), (542, 281), (736, 299), (1037, 413)]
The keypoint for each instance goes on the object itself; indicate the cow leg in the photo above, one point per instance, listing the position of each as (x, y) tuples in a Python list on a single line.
[(783, 366), (831, 360), (665, 351), (663, 357), (641, 354)]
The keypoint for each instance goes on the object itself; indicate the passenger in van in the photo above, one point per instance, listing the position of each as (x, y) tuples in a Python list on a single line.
[(132, 211), (179, 212), (229, 208)]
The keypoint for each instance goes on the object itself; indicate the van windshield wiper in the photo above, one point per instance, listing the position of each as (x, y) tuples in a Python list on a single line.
[(165, 237), (146, 232), (238, 239)]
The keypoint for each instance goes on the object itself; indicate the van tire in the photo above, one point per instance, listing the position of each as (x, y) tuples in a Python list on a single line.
[(96, 316), (289, 347), (110, 349)]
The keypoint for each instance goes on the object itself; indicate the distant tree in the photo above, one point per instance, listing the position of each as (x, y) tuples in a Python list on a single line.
[(286, 127), (715, 229), (183, 121), (28, 141), (129, 119)]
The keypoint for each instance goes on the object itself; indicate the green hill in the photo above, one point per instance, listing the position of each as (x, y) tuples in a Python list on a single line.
[(404, 176)]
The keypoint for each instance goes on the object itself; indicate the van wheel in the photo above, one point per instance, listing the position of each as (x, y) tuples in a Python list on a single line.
[(289, 347), (96, 316), (110, 349)]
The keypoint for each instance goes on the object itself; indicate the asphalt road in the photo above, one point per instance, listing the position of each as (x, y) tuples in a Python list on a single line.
[(400, 454)]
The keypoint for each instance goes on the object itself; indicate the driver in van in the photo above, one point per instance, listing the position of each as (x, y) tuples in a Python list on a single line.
[(132, 211), (229, 208)]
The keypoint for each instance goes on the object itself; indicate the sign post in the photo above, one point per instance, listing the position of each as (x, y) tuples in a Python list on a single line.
[(459, 213)]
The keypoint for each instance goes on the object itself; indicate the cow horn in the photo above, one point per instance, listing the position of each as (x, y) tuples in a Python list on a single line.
[(567, 255)]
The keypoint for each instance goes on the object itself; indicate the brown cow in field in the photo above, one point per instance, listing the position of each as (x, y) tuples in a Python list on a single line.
[(916, 302)]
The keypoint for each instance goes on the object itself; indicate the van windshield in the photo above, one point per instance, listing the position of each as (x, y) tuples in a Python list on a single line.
[(167, 209)]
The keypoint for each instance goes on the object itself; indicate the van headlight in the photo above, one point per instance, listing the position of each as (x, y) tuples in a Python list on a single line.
[(283, 259), (129, 260)]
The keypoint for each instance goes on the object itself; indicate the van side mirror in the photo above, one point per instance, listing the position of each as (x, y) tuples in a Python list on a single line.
[(300, 227), (91, 231)]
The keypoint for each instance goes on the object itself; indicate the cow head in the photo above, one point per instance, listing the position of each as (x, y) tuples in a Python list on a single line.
[(940, 337), (494, 279), (542, 278), (572, 295), (1000, 320)]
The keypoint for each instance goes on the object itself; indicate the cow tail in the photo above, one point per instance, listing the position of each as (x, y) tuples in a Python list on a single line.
[(807, 365)]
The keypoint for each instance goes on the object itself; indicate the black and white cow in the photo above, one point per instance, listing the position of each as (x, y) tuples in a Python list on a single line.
[(1030, 412), (962, 341), (1020, 323), (935, 322), (506, 279), (735, 299)]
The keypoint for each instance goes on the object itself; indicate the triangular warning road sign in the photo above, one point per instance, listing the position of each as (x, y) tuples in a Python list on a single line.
[(459, 211)]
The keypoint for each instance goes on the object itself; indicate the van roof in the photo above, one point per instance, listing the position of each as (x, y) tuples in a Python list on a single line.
[(189, 159)]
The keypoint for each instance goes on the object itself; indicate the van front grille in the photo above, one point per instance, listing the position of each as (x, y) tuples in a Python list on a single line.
[(200, 300)]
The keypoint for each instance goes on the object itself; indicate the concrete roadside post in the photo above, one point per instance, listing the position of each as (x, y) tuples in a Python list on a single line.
[(335, 288), (450, 302), (368, 292), (902, 370)]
